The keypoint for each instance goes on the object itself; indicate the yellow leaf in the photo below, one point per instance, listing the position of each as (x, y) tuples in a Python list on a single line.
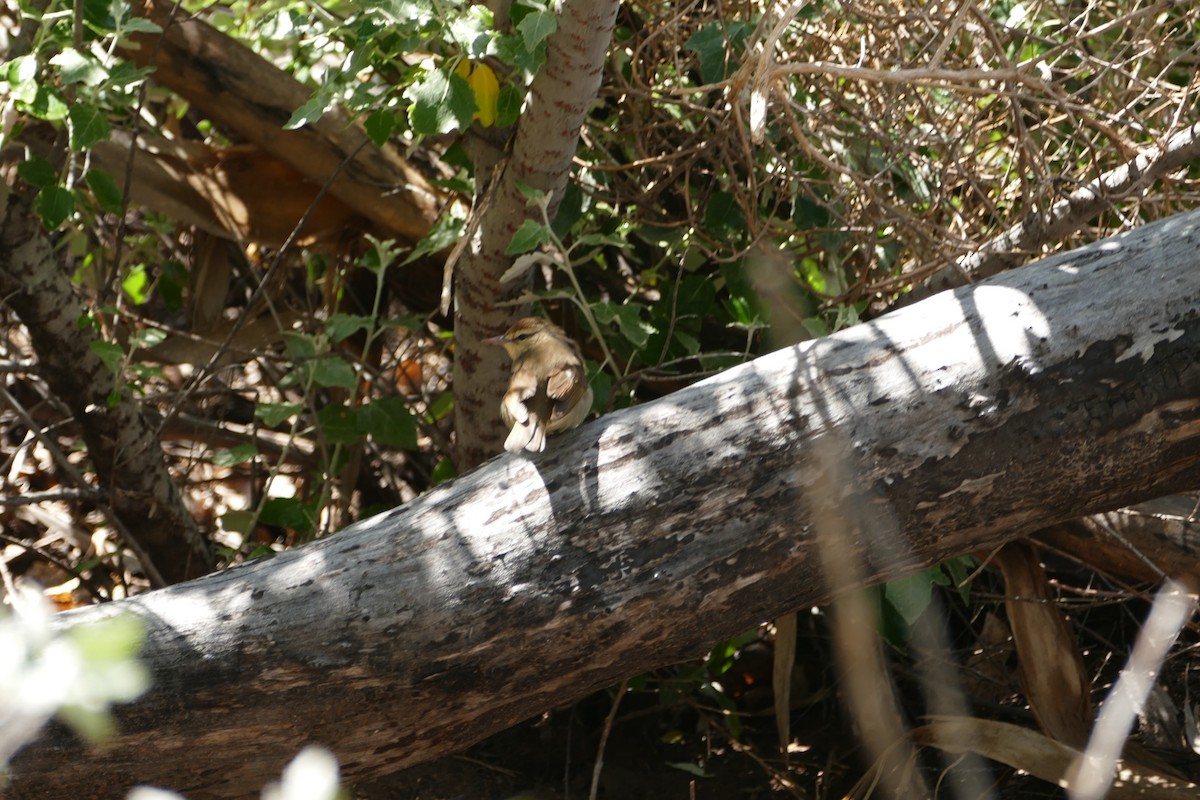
[(463, 69), (487, 91)]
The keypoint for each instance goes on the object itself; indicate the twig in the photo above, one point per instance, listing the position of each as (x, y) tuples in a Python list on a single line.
[(1068, 214), (203, 373), (69, 469), (608, 723), (45, 554), (69, 495)]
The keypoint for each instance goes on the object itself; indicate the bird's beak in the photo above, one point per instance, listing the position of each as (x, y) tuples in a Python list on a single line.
[(494, 340)]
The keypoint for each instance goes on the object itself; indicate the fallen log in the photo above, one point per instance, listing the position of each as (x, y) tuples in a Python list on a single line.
[(1062, 389)]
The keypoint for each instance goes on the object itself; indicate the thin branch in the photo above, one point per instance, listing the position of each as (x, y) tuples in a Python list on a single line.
[(1067, 215), (67, 495)]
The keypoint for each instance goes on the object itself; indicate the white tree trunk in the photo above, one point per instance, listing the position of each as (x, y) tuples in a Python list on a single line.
[(1065, 388)]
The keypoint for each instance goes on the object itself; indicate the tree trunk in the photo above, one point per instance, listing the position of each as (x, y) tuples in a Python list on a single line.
[(1062, 389), (144, 502), (543, 147)]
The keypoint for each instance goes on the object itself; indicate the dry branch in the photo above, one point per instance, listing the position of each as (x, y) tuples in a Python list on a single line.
[(253, 99), (1062, 389), (1146, 542), (240, 192), (1066, 216)]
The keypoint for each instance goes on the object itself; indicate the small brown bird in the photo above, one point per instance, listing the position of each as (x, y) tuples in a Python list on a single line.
[(548, 390)]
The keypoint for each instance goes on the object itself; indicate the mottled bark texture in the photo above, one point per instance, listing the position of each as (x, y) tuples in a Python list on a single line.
[(1062, 389), (121, 444), (543, 147)]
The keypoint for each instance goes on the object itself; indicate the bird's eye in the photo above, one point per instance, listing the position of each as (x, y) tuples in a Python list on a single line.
[(522, 337)]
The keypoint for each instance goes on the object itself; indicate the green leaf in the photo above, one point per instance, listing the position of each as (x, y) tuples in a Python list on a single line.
[(113, 640), (126, 73), (238, 454), (404, 12), (105, 190), (37, 171), (443, 471), (140, 25), (54, 204), (601, 383), (380, 126), (340, 326), (535, 27), (321, 101), (807, 214), (300, 345), (109, 672), (723, 213), (389, 422), (571, 206), (441, 407), (529, 236), (146, 338), (959, 570), (238, 521), (379, 256), (137, 284), (339, 424), (146, 372), (110, 353), (708, 44), (440, 103), (508, 105), (444, 233), (172, 279), (602, 240), (813, 276), (78, 67), (815, 326), (21, 71), (910, 596), (533, 196), (21, 74), (689, 768), (286, 512), (273, 414), (696, 296), (333, 371), (88, 126), (48, 105), (717, 46), (691, 344), (511, 50), (473, 24), (629, 321)]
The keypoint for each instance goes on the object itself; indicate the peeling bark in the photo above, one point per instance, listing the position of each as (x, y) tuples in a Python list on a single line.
[(543, 147), (122, 445), (1055, 391)]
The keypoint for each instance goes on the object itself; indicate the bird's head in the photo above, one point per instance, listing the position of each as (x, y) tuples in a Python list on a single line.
[(525, 335)]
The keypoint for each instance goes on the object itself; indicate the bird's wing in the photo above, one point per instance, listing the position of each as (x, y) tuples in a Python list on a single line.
[(566, 382)]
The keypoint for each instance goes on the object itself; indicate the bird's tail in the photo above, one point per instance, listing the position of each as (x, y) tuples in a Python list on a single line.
[(529, 436)]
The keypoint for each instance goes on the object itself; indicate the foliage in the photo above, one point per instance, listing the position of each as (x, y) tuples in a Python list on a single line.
[(748, 177)]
